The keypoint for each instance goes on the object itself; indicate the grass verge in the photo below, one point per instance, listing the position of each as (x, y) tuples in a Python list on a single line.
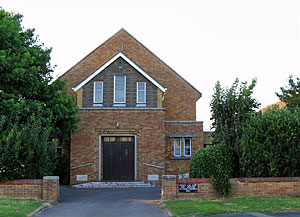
[(18, 207), (232, 205)]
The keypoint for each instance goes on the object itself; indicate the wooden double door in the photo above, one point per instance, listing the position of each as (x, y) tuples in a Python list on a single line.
[(118, 158)]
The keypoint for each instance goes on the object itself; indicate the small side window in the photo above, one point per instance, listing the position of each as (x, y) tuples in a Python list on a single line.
[(177, 147), (59, 149)]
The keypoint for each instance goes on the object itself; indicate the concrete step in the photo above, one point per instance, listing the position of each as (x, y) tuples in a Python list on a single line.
[(113, 185)]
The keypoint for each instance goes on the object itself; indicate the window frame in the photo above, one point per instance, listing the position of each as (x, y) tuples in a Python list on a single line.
[(137, 92), (177, 139), (115, 89), (94, 97), (190, 145), (59, 147)]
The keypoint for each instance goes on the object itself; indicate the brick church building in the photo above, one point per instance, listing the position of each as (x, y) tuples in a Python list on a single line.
[(137, 115)]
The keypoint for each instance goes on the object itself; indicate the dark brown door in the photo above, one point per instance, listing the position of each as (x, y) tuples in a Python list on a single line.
[(118, 158)]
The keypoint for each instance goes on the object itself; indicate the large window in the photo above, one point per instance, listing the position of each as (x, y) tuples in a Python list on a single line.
[(141, 92), (98, 92), (120, 89), (187, 146), (177, 147)]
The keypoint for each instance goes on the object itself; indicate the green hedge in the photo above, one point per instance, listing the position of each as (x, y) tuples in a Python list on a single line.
[(270, 145), (213, 162)]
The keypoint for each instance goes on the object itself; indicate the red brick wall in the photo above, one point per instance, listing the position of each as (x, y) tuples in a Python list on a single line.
[(46, 188), (193, 128), (266, 187), (26, 188), (147, 125), (241, 187), (180, 99)]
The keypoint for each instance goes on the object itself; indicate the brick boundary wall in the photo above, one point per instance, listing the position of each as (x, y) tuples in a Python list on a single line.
[(240, 187), (45, 189)]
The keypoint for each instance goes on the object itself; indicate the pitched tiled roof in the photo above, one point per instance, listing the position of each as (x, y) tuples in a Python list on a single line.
[(280, 104)]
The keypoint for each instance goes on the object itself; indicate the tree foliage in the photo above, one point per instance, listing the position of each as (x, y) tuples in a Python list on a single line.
[(213, 162), (291, 94), (34, 112), (26, 151), (271, 144), (231, 108)]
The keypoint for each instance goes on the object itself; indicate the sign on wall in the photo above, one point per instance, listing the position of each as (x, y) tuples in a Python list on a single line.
[(81, 178), (153, 177), (188, 188)]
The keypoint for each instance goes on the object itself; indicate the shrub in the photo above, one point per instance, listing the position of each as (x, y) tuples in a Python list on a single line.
[(25, 149), (271, 144), (213, 162)]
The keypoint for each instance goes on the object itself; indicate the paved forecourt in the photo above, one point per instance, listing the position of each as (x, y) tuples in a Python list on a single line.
[(107, 202)]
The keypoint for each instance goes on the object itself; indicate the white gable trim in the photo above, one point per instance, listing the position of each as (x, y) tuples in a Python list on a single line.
[(110, 62)]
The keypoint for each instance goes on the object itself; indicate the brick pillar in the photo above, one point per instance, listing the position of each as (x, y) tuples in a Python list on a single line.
[(169, 188), (51, 188)]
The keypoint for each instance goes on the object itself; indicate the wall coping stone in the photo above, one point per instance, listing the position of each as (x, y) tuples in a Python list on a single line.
[(193, 181), (51, 177), (169, 176), (22, 182), (250, 180), (269, 179)]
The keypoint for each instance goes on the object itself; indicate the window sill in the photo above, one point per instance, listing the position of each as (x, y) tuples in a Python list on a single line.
[(119, 105), (97, 104), (141, 105), (181, 158)]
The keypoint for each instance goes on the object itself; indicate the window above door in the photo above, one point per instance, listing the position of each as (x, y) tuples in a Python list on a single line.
[(120, 89)]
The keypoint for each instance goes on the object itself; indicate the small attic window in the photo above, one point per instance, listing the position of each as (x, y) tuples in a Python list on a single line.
[(98, 92)]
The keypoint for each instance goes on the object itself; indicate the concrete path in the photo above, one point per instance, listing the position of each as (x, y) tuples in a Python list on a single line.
[(107, 202)]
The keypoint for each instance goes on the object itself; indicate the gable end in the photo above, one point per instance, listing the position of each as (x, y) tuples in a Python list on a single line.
[(105, 65)]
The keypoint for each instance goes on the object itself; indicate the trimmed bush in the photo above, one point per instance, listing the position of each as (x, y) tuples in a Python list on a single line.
[(25, 149), (213, 162), (270, 144)]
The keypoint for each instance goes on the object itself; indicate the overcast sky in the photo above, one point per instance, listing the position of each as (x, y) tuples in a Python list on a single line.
[(202, 40)]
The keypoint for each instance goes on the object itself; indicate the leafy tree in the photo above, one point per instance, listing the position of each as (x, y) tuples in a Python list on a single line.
[(270, 144), (291, 94), (230, 108), (34, 112)]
